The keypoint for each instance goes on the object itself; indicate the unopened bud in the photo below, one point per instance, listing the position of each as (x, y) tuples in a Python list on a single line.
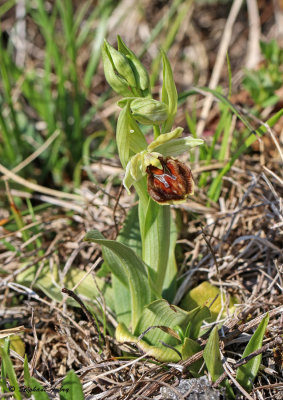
[(149, 111), (141, 74)]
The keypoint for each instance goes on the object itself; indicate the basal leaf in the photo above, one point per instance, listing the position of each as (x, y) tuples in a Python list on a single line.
[(191, 347), (196, 322), (211, 355), (162, 313), (160, 353), (132, 267), (71, 388), (38, 392), (246, 373)]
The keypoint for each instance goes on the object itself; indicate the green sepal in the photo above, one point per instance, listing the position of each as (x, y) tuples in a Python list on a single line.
[(123, 135), (149, 111)]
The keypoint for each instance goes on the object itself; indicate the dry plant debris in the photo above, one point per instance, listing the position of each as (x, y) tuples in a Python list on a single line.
[(239, 239)]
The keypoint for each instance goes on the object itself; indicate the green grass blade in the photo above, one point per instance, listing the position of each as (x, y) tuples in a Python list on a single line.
[(242, 149), (8, 367), (97, 44), (72, 386), (26, 371), (6, 6), (247, 373)]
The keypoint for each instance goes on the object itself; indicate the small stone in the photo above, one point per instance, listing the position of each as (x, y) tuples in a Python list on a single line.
[(192, 389)]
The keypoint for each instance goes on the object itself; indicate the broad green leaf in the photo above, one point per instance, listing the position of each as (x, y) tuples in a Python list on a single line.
[(132, 267), (211, 355), (9, 370), (158, 314), (49, 284), (72, 386), (160, 353), (122, 303), (169, 93), (130, 236), (246, 373), (191, 347), (162, 313), (196, 322), (40, 392), (203, 295), (16, 344)]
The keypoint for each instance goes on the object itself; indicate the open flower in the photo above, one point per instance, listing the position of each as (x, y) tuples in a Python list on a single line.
[(171, 184), (169, 181)]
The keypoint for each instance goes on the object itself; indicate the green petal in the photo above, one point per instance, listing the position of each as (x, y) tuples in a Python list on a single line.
[(128, 180), (164, 138), (177, 146)]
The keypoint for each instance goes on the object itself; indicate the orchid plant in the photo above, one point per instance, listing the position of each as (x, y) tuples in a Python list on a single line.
[(144, 269)]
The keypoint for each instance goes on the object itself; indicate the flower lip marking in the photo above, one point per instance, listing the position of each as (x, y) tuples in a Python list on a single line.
[(171, 184)]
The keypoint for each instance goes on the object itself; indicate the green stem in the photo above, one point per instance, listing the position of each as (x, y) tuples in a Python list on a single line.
[(156, 131), (156, 242)]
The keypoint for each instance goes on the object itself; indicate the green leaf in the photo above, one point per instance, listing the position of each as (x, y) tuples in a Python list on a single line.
[(39, 393), (195, 324), (191, 347), (205, 294), (130, 266), (155, 315), (169, 93), (26, 371), (160, 353), (9, 370), (130, 236), (162, 313), (72, 386), (246, 373), (211, 355)]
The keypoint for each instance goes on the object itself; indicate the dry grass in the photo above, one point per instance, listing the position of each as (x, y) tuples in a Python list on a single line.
[(236, 244)]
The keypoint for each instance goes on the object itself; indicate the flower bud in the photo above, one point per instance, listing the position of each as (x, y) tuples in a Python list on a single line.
[(141, 73), (171, 184), (118, 71), (149, 111)]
